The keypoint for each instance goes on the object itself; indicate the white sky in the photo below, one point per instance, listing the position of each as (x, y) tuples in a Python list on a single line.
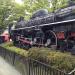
[(19, 2)]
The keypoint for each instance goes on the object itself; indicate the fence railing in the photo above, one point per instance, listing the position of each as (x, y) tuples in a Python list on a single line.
[(29, 66)]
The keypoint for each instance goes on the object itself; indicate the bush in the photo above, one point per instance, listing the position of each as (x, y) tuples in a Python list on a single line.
[(56, 59), (9, 46), (63, 61)]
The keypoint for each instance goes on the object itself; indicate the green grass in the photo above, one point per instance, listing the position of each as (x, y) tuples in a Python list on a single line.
[(63, 61)]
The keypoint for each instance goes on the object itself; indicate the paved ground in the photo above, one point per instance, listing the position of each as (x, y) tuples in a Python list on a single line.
[(6, 69)]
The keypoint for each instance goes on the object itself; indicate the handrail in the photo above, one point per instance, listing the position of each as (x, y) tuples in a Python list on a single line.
[(47, 65), (72, 71)]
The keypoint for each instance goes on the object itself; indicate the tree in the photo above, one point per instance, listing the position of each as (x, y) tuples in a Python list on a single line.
[(11, 11), (33, 5), (57, 4), (5, 7)]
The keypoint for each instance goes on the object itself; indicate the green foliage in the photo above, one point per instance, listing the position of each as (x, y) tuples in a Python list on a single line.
[(4, 12), (58, 60), (9, 46), (63, 61), (57, 4), (11, 11)]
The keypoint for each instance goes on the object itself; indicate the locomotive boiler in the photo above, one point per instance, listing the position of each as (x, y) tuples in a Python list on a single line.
[(46, 29)]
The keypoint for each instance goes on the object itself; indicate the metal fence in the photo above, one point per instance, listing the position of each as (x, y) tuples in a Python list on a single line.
[(39, 68), (29, 66)]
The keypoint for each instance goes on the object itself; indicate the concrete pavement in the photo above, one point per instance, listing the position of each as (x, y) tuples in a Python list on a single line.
[(7, 69)]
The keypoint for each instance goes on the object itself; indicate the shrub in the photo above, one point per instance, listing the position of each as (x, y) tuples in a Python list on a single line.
[(63, 61), (9, 46), (56, 59)]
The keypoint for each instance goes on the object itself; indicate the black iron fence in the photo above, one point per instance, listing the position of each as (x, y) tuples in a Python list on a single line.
[(29, 66)]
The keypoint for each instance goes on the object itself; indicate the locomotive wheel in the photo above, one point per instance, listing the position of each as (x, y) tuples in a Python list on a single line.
[(48, 42), (38, 39), (50, 39), (34, 41), (20, 44), (26, 46)]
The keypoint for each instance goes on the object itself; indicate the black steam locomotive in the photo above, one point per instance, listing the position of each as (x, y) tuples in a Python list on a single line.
[(45, 29)]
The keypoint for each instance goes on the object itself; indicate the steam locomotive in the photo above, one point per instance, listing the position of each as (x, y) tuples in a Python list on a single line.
[(45, 29)]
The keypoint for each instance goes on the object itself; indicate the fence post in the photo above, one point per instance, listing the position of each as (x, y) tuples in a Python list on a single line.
[(29, 61), (4, 54), (13, 58)]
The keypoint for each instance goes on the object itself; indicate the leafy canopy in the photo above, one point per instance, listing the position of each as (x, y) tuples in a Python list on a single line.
[(11, 11)]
